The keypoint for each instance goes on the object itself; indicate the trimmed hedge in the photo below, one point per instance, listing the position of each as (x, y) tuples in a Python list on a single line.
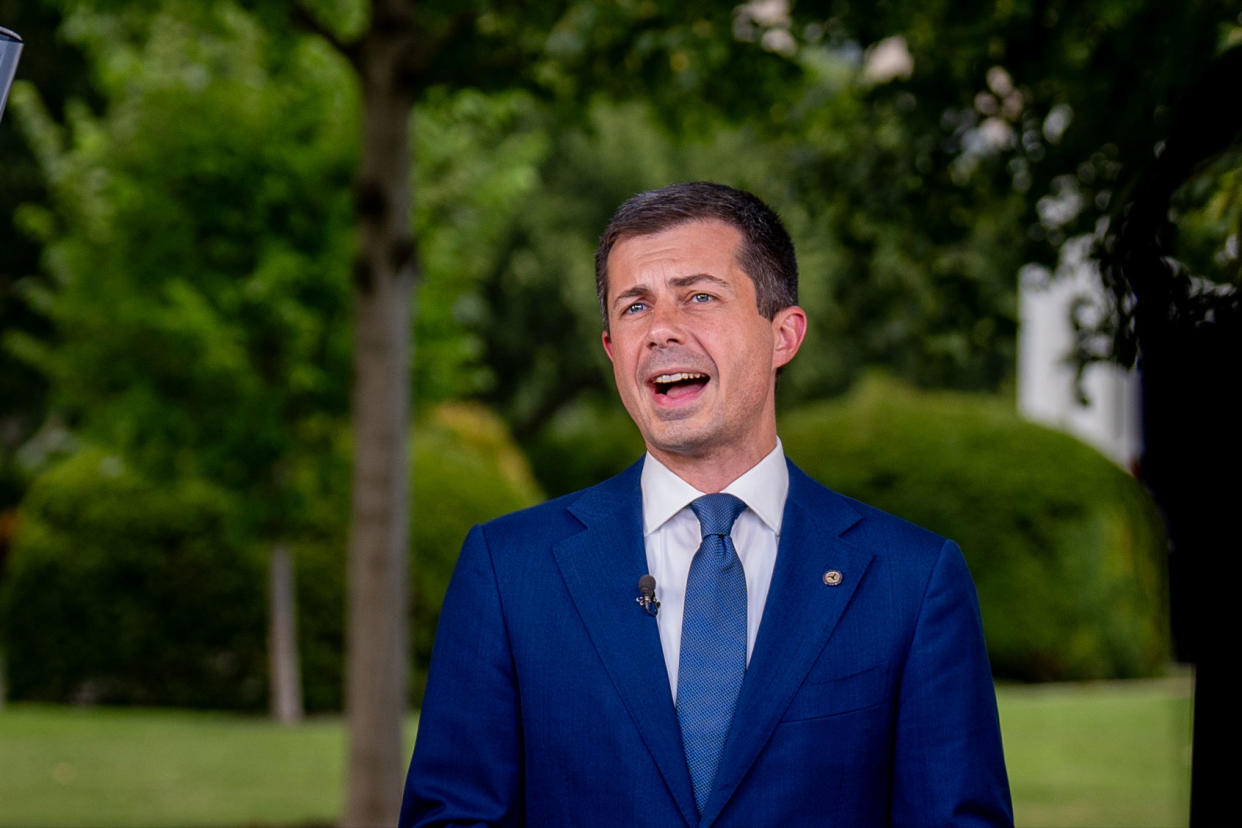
[(123, 591), (1066, 550)]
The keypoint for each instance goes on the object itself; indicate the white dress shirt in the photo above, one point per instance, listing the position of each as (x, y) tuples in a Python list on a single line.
[(672, 536)]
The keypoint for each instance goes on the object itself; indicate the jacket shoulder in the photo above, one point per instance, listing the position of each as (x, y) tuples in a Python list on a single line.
[(861, 523)]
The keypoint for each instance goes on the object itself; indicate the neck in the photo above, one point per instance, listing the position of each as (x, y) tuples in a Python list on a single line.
[(711, 472)]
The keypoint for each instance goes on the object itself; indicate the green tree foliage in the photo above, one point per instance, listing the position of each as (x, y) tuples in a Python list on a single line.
[(1066, 549), (1074, 106), (1209, 220), (921, 155), (195, 235), (915, 196), (197, 239), (477, 160)]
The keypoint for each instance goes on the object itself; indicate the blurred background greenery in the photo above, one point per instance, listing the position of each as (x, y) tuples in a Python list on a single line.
[(176, 302)]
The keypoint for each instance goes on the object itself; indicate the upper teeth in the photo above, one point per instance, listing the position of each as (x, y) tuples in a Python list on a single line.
[(684, 375)]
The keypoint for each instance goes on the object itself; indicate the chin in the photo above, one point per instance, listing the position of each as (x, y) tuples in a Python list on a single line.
[(684, 442)]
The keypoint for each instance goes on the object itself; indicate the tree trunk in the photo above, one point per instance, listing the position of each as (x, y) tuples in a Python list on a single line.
[(378, 568), (285, 695)]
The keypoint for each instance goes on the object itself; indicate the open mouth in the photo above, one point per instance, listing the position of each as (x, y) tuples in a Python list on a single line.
[(675, 386)]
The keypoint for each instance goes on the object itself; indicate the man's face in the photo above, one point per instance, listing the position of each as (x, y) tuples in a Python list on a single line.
[(693, 359)]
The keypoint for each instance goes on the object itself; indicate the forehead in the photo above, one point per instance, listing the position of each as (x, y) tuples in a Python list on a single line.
[(708, 246)]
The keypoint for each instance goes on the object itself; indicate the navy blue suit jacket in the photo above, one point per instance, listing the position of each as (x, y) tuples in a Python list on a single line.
[(865, 703)]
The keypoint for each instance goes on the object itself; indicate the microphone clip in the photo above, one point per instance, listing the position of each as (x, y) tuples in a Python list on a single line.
[(650, 605), (647, 599)]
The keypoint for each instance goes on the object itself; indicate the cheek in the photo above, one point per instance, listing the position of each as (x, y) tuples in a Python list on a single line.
[(752, 368), (622, 365), (623, 374)]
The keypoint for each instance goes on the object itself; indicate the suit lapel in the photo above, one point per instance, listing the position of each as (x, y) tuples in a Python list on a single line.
[(601, 566), (799, 616)]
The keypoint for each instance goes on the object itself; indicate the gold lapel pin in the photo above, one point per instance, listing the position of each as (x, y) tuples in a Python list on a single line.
[(833, 577)]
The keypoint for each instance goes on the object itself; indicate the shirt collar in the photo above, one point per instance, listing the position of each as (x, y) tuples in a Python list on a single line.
[(762, 487)]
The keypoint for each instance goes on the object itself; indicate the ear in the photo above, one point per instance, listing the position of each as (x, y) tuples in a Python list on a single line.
[(607, 345), (788, 331)]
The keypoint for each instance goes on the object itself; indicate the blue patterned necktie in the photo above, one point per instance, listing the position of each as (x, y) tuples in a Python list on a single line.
[(713, 641)]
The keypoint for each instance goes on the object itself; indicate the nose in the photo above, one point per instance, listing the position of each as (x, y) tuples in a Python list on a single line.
[(665, 326)]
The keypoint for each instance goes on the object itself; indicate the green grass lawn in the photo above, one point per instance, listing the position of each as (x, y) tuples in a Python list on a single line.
[(1114, 754), (1108, 754), (62, 767)]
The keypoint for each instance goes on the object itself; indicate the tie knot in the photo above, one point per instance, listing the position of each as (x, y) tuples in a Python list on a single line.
[(716, 512)]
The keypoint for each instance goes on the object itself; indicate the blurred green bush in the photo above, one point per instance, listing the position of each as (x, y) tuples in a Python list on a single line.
[(589, 440), (120, 590), (124, 591), (466, 469), (1066, 549)]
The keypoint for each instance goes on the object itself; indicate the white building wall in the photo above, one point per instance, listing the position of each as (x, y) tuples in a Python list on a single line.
[(1110, 421)]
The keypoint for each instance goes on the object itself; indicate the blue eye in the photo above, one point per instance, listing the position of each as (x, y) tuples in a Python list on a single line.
[(701, 298), (635, 307)]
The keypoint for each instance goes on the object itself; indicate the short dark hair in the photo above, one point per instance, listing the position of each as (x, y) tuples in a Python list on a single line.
[(766, 253)]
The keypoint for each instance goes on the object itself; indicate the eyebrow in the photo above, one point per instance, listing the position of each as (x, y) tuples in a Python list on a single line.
[(694, 279), (679, 282)]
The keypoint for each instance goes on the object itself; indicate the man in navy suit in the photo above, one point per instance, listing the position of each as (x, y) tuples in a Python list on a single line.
[(809, 661)]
